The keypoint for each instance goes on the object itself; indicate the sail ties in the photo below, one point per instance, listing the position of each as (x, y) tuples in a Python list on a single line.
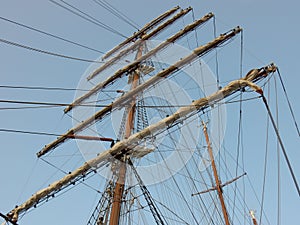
[(247, 81), (241, 83)]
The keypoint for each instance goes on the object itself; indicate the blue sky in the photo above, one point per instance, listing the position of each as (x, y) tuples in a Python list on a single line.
[(271, 34)]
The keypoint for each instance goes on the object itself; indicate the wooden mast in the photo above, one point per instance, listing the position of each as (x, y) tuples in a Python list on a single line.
[(215, 172), (119, 188), (146, 28), (139, 42), (131, 66), (198, 52), (121, 147)]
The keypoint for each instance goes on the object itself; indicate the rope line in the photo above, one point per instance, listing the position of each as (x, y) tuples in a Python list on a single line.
[(110, 8), (87, 17), (216, 52), (282, 146), (49, 88), (51, 35), (265, 166), (43, 133), (288, 101), (47, 52), (28, 132), (53, 104)]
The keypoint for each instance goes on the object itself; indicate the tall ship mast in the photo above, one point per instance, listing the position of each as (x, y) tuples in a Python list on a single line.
[(155, 140)]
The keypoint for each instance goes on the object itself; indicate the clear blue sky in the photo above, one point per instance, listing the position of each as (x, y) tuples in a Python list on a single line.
[(271, 34)]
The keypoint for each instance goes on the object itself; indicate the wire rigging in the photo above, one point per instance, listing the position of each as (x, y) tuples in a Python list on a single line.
[(51, 35), (54, 105), (47, 52), (265, 166), (42, 88), (49, 88), (216, 52), (239, 139), (87, 17), (90, 104), (64, 172), (28, 132), (281, 145), (57, 104), (110, 8), (96, 138), (152, 205), (33, 103), (240, 126), (195, 31), (27, 181), (288, 101), (28, 107), (278, 158)]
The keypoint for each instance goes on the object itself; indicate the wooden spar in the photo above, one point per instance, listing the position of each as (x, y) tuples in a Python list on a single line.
[(198, 52), (118, 149), (222, 185), (142, 31), (218, 183), (119, 188), (91, 138), (136, 63), (139, 42)]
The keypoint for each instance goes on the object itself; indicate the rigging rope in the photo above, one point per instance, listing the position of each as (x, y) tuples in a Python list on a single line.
[(154, 209), (113, 10), (49, 88), (216, 50), (281, 145), (27, 132), (278, 159), (87, 17), (89, 104), (47, 52), (196, 34), (288, 101), (98, 137), (265, 166), (239, 139), (51, 35)]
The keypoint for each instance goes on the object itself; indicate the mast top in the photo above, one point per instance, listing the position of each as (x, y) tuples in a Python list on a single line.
[(121, 72), (146, 28), (142, 37), (198, 52)]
